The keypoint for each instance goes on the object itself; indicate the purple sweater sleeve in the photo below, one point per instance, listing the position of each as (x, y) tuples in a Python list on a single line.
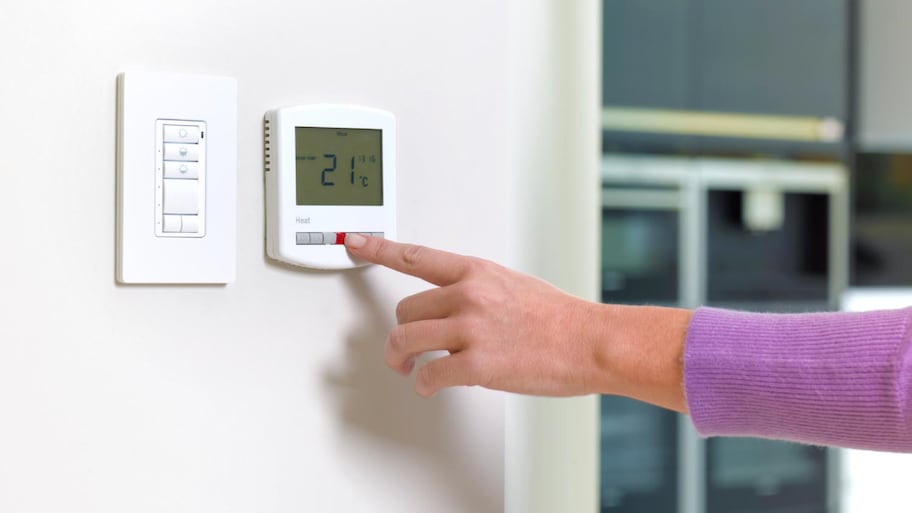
[(840, 379)]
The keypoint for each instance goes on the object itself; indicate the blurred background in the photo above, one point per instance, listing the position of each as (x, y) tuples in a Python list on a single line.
[(756, 154)]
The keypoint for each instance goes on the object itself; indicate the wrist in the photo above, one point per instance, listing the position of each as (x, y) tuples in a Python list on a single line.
[(637, 352)]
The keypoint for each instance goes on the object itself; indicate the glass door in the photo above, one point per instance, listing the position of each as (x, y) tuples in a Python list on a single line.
[(639, 457), (640, 254), (746, 475), (734, 233), (882, 212), (781, 266)]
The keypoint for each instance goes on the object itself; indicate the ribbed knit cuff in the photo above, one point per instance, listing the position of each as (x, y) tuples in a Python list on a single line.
[(839, 379)]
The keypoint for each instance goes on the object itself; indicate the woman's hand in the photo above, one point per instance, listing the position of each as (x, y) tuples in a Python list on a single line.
[(509, 331), (504, 330)]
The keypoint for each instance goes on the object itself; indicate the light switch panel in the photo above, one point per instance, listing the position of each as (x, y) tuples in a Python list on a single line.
[(176, 178)]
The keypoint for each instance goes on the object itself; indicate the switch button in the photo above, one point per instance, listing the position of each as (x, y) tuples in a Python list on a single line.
[(181, 152), (172, 224), (181, 134), (181, 170), (181, 196), (190, 224)]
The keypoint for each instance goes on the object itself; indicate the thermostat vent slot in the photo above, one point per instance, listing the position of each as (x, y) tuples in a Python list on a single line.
[(267, 146)]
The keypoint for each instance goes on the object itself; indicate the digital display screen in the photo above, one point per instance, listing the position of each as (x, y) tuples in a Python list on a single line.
[(338, 166)]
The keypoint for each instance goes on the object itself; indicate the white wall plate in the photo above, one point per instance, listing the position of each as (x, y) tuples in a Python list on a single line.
[(176, 178)]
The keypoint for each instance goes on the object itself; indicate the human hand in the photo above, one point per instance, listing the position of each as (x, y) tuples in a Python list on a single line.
[(504, 330)]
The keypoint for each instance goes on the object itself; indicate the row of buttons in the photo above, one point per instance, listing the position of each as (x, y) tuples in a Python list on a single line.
[(320, 238), (181, 174), (180, 224)]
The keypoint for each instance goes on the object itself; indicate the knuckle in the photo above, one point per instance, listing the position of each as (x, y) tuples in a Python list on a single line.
[(377, 249), (477, 295), (424, 381), (402, 310), (473, 290), (412, 255), (392, 361), (398, 340), (467, 329), (478, 372), (472, 367), (483, 266), (475, 266), (463, 291)]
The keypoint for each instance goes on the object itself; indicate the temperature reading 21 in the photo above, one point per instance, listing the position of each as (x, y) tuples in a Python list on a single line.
[(328, 177)]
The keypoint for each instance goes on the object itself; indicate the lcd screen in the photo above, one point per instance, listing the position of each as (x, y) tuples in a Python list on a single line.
[(338, 166)]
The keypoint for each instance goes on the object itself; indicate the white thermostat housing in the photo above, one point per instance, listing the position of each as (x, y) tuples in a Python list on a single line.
[(330, 171)]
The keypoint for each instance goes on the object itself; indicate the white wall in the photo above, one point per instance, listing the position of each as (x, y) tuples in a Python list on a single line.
[(270, 394), (555, 69)]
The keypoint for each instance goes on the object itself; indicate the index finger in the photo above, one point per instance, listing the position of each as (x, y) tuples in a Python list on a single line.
[(432, 265)]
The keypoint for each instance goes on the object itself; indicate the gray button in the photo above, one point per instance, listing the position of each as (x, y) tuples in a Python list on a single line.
[(302, 238), (329, 237), (377, 234), (316, 237)]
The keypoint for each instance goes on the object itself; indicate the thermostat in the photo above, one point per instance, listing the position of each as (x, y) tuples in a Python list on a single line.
[(330, 171)]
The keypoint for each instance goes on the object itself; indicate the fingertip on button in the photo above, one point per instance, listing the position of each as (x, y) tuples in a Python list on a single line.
[(355, 241)]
